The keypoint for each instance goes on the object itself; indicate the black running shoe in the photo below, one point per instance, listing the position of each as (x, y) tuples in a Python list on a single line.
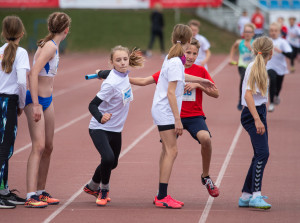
[(6, 204), (13, 198)]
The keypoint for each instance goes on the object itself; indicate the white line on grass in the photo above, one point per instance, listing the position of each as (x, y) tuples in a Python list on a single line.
[(77, 193), (221, 174)]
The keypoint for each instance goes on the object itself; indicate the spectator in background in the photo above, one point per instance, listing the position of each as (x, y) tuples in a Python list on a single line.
[(157, 26), (293, 37), (258, 20), (283, 29), (204, 51), (244, 19)]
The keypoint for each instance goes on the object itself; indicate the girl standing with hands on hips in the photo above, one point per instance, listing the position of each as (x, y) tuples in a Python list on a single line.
[(40, 110), (166, 110), (109, 109), (14, 65), (254, 120)]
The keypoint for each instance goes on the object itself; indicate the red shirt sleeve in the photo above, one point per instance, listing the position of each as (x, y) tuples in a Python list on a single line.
[(156, 76), (206, 75)]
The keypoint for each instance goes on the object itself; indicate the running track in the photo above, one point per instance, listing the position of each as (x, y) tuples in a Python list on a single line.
[(134, 183)]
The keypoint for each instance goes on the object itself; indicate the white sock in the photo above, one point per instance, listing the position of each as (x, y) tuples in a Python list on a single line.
[(93, 186), (104, 186), (256, 194), (246, 196), (30, 194), (4, 191), (39, 192)]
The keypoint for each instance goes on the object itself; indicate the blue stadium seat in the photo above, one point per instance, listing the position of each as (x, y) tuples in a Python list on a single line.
[(274, 4), (263, 3), (296, 4), (285, 4)]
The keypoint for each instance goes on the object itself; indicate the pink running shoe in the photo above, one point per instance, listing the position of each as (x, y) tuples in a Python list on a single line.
[(167, 202)]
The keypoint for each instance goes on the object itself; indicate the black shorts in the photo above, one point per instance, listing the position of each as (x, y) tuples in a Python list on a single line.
[(165, 127), (195, 124)]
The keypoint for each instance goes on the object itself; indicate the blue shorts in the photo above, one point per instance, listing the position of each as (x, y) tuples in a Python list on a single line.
[(45, 102), (195, 124)]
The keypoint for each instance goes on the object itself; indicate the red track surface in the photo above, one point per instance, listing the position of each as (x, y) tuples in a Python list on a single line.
[(134, 183)]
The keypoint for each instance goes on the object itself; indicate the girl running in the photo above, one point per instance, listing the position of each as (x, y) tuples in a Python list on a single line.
[(166, 109), (293, 37), (277, 66), (109, 109), (245, 55), (14, 65), (40, 110), (254, 120)]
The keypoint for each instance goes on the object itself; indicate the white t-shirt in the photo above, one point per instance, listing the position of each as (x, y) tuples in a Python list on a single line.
[(116, 94), (204, 45), (278, 60), (241, 23), (15, 82), (172, 70), (258, 98), (293, 35)]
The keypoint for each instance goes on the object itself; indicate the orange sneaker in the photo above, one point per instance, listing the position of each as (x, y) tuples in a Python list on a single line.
[(87, 190), (102, 198), (167, 202), (178, 202), (35, 202), (48, 198)]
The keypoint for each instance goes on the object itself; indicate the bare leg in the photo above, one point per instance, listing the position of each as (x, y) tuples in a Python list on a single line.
[(206, 150)]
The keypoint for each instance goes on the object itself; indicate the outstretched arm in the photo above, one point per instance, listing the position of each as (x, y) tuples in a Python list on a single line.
[(141, 81), (232, 52), (212, 92)]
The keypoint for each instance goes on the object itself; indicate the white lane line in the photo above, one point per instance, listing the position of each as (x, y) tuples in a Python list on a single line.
[(221, 174), (77, 193), (220, 67)]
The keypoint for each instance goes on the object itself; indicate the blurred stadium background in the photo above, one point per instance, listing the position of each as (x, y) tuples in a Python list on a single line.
[(102, 24)]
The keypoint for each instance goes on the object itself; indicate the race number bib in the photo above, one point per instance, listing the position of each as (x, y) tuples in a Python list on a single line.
[(189, 96), (127, 95), (247, 58)]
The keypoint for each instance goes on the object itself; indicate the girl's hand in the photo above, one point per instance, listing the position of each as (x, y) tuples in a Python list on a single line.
[(106, 117), (260, 128), (207, 83), (96, 72), (233, 62), (190, 87), (178, 127), (20, 111), (36, 110)]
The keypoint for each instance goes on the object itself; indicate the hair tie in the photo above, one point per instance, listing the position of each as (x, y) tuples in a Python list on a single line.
[(178, 41), (12, 39), (259, 53)]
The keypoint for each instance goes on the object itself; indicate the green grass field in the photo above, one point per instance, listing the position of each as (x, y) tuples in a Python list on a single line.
[(93, 30)]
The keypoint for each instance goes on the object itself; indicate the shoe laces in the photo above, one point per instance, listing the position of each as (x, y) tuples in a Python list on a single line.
[(45, 194), (208, 182), (11, 192), (35, 197), (104, 194)]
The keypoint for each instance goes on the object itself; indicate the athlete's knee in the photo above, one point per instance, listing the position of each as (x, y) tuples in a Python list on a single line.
[(205, 142), (108, 160), (115, 164), (48, 149), (171, 152)]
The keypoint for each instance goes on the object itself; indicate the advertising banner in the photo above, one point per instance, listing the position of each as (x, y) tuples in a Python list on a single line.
[(105, 4), (28, 3), (186, 3)]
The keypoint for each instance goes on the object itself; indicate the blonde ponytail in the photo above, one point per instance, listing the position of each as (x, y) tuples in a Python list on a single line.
[(262, 48)]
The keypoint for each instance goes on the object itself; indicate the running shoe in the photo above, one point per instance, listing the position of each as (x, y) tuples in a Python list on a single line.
[(271, 107), (102, 197), (35, 202), (87, 190), (276, 100), (5, 204), (259, 202), (13, 198), (48, 198), (178, 202), (212, 189), (167, 202), (244, 203)]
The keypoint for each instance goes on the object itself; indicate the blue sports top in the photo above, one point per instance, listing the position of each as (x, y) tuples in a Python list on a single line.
[(50, 69)]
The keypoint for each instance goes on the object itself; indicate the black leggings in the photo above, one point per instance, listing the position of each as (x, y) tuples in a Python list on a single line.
[(275, 84), (242, 71), (108, 145), (295, 51)]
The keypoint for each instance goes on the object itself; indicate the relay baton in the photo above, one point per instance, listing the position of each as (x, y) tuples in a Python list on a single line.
[(91, 76)]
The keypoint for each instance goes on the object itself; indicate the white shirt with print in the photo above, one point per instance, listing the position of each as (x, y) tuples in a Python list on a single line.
[(116, 94)]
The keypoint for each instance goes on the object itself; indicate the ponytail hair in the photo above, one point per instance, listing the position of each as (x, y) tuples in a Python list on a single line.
[(181, 35), (262, 48), (12, 29), (57, 23), (136, 60)]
